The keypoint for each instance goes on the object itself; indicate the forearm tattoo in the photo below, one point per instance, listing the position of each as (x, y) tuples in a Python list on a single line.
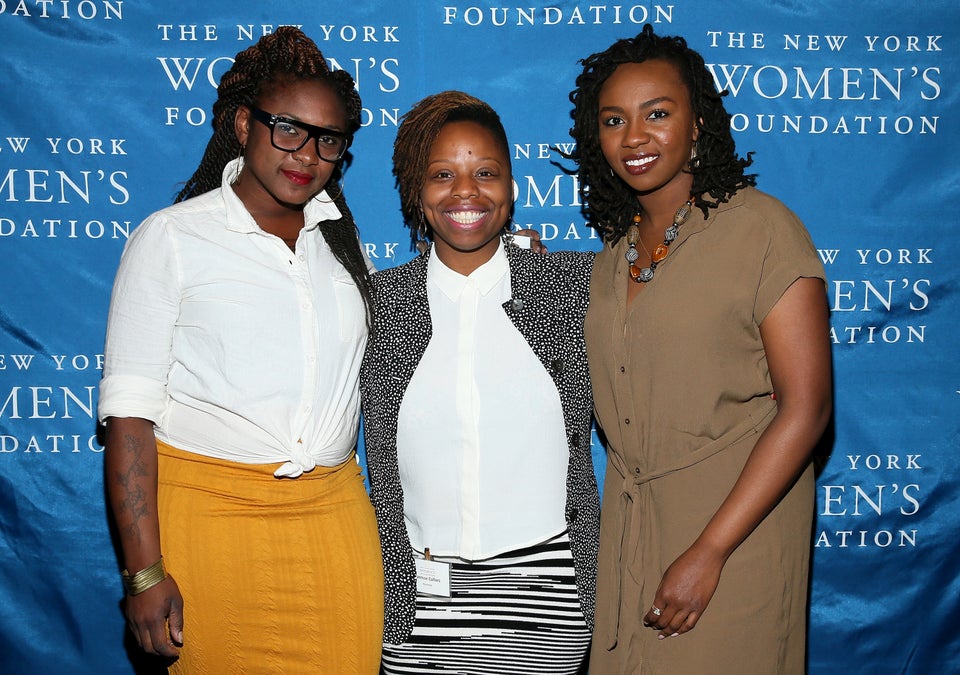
[(134, 497)]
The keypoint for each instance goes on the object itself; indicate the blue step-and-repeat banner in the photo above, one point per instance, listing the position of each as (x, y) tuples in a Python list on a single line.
[(852, 111)]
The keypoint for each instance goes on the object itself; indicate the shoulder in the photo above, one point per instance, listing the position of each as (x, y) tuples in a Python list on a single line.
[(572, 266), (571, 260), (769, 232), (761, 216), (393, 275), (760, 206), (191, 209), (182, 217), (399, 280), (763, 204)]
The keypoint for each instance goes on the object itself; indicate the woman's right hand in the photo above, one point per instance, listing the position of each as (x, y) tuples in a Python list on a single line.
[(130, 471), (155, 617)]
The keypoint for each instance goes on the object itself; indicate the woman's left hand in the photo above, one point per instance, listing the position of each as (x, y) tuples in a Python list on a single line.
[(795, 340), (685, 589)]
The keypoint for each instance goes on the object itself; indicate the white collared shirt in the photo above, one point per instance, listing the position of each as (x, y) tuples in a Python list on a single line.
[(233, 345), (481, 445)]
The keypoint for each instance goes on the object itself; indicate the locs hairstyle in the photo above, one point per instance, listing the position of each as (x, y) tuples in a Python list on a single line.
[(718, 172), (275, 61), (418, 129)]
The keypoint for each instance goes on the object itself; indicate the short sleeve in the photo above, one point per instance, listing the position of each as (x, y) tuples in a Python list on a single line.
[(790, 255)]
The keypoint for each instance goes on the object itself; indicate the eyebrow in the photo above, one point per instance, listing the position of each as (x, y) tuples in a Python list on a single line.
[(285, 117), (479, 159), (645, 104)]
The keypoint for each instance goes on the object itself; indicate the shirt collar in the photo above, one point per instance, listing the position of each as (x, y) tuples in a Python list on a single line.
[(318, 209), (485, 278)]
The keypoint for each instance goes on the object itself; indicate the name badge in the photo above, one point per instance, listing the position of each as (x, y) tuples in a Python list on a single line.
[(433, 577)]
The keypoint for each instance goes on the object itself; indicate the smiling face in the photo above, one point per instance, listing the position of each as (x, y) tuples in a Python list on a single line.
[(467, 194), (647, 128), (274, 180)]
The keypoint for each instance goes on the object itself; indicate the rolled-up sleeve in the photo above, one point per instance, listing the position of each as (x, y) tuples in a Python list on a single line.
[(144, 308)]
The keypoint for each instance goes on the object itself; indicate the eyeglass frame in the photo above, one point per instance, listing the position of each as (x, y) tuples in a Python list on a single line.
[(270, 120)]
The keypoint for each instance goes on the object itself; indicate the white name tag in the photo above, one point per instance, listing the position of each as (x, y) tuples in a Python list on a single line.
[(522, 241), (433, 577)]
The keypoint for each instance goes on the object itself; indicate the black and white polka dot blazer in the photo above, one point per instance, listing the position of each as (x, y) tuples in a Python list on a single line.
[(550, 295)]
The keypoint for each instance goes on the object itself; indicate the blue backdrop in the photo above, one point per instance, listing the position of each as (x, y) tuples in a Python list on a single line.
[(852, 111)]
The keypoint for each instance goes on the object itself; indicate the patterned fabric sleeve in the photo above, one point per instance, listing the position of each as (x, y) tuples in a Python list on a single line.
[(387, 368)]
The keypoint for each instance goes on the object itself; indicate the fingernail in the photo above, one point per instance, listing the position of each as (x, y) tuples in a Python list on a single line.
[(675, 635), (661, 636)]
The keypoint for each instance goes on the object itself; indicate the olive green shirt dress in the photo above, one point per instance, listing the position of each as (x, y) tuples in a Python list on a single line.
[(682, 393)]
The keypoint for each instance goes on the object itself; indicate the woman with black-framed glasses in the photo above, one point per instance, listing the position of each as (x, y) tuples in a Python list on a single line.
[(237, 326), (291, 135)]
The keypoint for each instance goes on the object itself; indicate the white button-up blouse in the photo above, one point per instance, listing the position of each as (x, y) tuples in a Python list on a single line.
[(233, 345), (481, 444)]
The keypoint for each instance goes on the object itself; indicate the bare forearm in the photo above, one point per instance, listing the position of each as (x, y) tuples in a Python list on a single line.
[(794, 335), (131, 479), (798, 355), (780, 456)]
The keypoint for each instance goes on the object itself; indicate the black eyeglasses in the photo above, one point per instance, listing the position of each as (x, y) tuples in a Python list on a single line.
[(291, 135)]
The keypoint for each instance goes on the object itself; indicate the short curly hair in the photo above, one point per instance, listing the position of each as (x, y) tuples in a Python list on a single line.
[(419, 127), (718, 172)]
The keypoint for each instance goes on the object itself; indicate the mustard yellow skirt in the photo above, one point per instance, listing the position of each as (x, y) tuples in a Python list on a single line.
[(277, 575)]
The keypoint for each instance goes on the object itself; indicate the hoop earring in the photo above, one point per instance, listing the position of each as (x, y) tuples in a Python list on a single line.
[(236, 171), (695, 155), (422, 244), (333, 198)]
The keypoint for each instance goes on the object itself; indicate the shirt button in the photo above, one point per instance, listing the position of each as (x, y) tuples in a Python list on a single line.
[(517, 304), (557, 366), (626, 421), (622, 369)]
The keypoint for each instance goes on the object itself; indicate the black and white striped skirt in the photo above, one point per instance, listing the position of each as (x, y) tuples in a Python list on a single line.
[(516, 614)]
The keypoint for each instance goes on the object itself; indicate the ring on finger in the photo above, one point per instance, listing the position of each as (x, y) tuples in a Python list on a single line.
[(656, 611)]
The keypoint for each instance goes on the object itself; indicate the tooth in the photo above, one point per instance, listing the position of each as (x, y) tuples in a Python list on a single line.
[(466, 218)]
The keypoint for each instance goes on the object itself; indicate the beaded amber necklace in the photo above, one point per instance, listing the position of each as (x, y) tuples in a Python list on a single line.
[(644, 275)]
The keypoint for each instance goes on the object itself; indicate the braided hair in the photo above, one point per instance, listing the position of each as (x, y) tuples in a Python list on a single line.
[(419, 127), (274, 62), (718, 172)]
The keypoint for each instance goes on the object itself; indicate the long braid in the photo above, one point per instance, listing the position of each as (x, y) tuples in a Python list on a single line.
[(343, 239), (275, 61), (718, 172)]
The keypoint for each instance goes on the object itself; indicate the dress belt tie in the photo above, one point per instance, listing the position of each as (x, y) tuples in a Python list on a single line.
[(635, 517)]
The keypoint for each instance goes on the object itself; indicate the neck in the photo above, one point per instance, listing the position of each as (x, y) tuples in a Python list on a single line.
[(661, 205), (285, 224), (462, 262), (262, 204)]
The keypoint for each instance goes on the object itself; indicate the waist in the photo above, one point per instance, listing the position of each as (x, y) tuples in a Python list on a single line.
[(636, 473), (515, 554), (264, 439), (251, 484)]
